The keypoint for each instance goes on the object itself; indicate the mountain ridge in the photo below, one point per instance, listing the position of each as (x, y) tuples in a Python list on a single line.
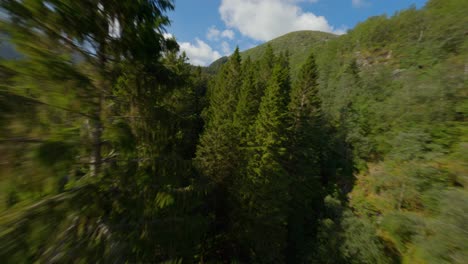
[(297, 43)]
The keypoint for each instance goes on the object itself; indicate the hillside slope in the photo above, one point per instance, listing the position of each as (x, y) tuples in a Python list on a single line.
[(298, 44)]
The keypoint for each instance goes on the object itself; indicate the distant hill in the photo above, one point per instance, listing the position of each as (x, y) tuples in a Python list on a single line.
[(298, 44), (214, 67)]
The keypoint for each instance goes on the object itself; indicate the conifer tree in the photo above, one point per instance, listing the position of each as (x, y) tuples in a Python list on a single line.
[(306, 151), (265, 67), (249, 101), (216, 155), (307, 120), (267, 63), (265, 191)]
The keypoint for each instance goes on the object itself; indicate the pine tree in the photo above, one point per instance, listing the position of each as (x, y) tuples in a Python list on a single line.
[(216, 155), (265, 192), (164, 129), (307, 120), (306, 152), (265, 68), (267, 63), (249, 101)]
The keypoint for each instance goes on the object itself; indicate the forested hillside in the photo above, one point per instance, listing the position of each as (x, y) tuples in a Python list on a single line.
[(297, 44), (343, 149)]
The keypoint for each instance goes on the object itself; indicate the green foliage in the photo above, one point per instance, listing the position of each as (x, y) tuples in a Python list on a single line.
[(362, 244), (447, 244), (306, 153), (298, 44), (216, 153), (115, 150), (266, 178), (164, 199), (249, 100), (113, 118)]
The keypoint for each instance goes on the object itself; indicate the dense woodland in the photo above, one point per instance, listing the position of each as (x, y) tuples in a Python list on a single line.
[(114, 149)]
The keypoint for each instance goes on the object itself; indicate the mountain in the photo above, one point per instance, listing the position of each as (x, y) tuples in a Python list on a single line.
[(298, 44)]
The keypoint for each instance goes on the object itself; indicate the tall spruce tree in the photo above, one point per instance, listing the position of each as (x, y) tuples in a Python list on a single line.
[(249, 101), (266, 64), (265, 191), (218, 157), (305, 151), (218, 141)]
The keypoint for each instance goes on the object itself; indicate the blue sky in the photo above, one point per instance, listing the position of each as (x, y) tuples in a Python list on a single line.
[(209, 29)]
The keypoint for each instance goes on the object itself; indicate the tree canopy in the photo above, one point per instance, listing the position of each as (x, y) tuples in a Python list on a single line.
[(347, 149)]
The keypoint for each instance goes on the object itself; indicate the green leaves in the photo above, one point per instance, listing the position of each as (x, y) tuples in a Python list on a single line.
[(164, 200)]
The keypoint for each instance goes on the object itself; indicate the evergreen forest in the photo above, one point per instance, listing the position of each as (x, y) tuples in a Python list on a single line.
[(310, 148)]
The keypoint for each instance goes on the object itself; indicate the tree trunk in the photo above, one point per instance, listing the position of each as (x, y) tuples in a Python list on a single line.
[(96, 125), (96, 134)]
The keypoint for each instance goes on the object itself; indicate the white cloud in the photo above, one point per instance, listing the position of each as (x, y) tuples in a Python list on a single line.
[(228, 34), (200, 53), (267, 19), (215, 34), (168, 36), (340, 31), (226, 48), (359, 3), (301, 1)]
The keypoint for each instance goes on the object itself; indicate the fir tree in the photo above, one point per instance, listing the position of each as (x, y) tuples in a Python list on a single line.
[(265, 193), (216, 155), (306, 151), (249, 101)]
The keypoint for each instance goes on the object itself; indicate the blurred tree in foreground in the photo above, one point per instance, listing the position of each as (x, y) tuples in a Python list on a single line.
[(99, 127)]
